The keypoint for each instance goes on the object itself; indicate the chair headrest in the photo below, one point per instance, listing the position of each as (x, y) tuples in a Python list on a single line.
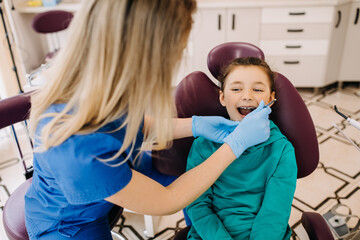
[(51, 21), (223, 54)]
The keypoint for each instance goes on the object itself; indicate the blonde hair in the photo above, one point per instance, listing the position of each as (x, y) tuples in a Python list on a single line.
[(118, 62)]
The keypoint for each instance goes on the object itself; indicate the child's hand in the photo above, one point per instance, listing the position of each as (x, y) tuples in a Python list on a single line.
[(252, 130), (214, 128)]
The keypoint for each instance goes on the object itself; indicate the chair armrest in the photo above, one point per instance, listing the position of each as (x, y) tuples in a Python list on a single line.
[(14, 109)]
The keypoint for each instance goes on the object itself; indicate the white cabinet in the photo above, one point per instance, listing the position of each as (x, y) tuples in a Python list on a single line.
[(297, 42), (216, 26), (350, 68), (305, 42)]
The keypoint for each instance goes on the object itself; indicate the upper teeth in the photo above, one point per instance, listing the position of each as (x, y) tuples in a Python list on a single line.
[(247, 107)]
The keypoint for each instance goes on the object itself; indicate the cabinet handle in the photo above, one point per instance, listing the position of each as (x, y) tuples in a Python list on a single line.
[(233, 22), (295, 30), (293, 46), (219, 22), (291, 62), (297, 13), (357, 16), (339, 19)]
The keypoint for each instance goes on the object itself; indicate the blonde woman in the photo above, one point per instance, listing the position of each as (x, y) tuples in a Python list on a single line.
[(89, 126)]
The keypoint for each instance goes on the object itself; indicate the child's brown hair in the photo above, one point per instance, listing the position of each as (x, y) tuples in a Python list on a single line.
[(246, 61)]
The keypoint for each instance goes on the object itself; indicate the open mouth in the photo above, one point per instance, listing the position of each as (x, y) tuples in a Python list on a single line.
[(245, 110)]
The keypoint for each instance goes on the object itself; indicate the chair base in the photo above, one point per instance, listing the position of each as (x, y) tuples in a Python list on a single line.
[(14, 213)]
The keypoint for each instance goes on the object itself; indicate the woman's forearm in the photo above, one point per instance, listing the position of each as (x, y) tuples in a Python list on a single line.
[(184, 190), (193, 183), (182, 128)]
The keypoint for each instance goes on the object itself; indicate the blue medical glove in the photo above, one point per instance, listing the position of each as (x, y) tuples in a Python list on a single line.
[(214, 128), (252, 130)]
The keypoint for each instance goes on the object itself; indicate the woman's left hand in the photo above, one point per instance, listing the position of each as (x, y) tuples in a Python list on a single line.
[(214, 128)]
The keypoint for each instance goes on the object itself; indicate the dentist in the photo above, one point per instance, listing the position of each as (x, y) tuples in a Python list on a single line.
[(108, 98)]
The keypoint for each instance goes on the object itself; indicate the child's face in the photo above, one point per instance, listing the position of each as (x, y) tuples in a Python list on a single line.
[(245, 87)]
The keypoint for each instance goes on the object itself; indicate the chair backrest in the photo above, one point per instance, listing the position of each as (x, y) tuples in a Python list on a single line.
[(198, 95)]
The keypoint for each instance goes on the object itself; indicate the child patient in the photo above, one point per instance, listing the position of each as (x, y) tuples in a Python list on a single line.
[(252, 198)]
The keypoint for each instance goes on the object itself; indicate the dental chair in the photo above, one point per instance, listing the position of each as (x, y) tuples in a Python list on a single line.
[(198, 95), (14, 110)]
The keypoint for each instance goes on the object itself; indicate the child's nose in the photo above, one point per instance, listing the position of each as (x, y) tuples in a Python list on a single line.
[(247, 95)]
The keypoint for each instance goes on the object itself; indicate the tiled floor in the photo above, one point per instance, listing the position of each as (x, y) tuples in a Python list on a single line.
[(336, 180)]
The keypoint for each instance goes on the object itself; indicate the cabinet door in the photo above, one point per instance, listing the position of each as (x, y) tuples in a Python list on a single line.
[(243, 25), (350, 70), (208, 32), (341, 16)]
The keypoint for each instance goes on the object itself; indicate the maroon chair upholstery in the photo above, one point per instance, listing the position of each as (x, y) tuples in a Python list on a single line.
[(293, 119), (198, 95), (13, 110), (316, 226), (51, 21)]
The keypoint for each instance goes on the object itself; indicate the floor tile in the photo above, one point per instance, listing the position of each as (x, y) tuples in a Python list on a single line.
[(316, 188), (341, 156), (323, 116), (343, 100)]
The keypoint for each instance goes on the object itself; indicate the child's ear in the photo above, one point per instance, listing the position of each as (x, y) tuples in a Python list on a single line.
[(221, 98), (272, 96)]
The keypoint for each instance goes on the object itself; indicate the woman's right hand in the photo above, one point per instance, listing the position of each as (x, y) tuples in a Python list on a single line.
[(252, 130)]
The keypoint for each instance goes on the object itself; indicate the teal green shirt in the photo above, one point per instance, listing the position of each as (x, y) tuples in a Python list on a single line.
[(252, 198)]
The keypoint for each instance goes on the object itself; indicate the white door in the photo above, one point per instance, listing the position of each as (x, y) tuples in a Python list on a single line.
[(243, 25), (208, 32), (350, 68), (340, 23)]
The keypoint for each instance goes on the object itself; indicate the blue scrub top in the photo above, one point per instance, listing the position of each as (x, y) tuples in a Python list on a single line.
[(70, 183)]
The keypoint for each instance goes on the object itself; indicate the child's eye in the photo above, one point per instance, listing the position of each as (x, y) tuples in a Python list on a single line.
[(258, 90), (235, 89)]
